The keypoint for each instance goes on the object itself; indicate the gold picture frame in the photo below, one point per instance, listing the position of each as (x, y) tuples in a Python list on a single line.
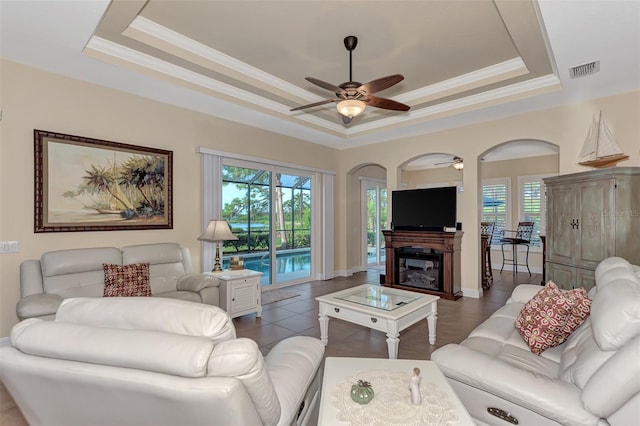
[(84, 184)]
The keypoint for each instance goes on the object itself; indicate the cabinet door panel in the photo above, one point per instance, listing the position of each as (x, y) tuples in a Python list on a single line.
[(560, 211), (243, 296), (597, 231), (586, 278), (627, 218), (567, 277), (562, 275)]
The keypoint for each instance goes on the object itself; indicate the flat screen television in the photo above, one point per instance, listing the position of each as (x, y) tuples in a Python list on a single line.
[(428, 209)]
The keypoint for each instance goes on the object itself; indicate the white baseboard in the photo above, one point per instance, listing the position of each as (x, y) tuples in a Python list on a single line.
[(469, 292), (4, 341), (343, 273)]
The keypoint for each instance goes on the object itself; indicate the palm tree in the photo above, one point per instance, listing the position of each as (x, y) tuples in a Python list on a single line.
[(145, 174), (104, 179)]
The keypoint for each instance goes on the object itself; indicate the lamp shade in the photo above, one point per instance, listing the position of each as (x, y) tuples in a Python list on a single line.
[(350, 107), (217, 230)]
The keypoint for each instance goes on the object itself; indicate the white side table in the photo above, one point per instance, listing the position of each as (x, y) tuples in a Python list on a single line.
[(240, 291)]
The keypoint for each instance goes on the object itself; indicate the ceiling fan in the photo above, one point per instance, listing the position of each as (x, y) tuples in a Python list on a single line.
[(456, 163), (352, 96)]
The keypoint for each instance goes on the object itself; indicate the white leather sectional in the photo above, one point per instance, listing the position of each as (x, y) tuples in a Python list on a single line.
[(62, 274), (591, 379), (155, 361)]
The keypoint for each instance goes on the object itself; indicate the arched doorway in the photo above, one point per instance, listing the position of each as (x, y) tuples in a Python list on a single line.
[(511, 176)]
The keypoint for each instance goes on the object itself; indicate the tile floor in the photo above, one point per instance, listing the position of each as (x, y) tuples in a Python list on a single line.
[(299, 316)]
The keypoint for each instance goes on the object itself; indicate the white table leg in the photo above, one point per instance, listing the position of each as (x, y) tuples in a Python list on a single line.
[(392, 344), (324, 328), (431, 321), (259, 311)]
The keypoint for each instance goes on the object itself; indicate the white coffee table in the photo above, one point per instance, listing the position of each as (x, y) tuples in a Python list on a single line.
[(379, 308), (391, 403)]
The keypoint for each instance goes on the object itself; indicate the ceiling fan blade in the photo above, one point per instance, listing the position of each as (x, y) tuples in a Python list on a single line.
[(380, 84), (345, 119), (326, 101), (377, 102), (454, 160), (325, 85)]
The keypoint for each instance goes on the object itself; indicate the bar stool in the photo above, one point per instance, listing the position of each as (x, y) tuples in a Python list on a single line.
[(486, 228), (520, 237)]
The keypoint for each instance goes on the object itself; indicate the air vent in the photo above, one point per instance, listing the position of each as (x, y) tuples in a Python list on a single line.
[(584, 69)]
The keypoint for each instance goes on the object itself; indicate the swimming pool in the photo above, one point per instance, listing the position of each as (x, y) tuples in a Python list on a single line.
[(289, 265)]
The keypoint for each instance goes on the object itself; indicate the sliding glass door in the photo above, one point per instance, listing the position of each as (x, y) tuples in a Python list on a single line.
[(269, 210), (293, 227)]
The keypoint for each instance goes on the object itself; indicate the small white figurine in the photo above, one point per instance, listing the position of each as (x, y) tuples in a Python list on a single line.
[(414, 386)]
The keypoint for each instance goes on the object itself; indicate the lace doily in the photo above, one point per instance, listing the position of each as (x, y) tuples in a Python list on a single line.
[(391, 404)]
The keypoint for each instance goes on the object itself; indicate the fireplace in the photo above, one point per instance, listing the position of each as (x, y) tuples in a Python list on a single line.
[(419, 267), (424, 261)]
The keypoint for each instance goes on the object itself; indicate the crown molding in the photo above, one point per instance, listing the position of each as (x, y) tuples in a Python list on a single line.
[(499, 72), (516, 90), (154, 65), (153, 34)]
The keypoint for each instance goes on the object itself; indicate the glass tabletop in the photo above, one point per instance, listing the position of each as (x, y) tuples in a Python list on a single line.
[(379, 298)]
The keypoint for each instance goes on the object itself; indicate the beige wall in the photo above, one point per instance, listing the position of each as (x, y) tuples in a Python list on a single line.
[(414, 178), (33, 99), (544, 164)]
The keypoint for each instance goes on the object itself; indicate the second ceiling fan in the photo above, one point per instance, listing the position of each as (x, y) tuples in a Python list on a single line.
[(456, 162), (352, 96)]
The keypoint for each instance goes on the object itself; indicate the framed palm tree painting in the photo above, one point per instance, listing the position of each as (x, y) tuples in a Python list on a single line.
[(84, 184)]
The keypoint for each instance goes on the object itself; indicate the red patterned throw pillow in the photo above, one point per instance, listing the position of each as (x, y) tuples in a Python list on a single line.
[(127, 280), (581, 307), (551, 316)]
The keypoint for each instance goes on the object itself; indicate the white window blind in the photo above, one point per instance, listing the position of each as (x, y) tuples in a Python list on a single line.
[(532, 204), (496, 206)]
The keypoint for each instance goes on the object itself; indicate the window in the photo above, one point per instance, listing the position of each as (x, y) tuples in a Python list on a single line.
[(269, 211), (495, 205), (532, 204), (242, 189)]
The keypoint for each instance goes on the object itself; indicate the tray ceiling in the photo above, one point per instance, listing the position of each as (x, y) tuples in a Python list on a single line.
[(463, 61)]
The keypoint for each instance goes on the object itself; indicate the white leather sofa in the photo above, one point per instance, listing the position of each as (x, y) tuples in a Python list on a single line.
[(593, 378), (61, 274), (153, 361)]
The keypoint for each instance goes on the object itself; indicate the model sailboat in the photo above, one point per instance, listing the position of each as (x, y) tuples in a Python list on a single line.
[(600, 148)]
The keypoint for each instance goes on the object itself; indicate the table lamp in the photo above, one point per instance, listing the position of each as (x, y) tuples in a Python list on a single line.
[(217, 230)]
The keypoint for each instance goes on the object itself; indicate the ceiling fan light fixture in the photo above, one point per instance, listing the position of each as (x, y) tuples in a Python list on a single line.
[(458, 166), (350, 107)]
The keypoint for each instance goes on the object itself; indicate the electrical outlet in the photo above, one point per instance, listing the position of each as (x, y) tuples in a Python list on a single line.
[(8, 246)]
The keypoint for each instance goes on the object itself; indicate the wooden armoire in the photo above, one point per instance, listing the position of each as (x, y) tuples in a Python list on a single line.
[(591, 216)]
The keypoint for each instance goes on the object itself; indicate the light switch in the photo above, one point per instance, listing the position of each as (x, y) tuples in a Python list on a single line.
[(8, 246)]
